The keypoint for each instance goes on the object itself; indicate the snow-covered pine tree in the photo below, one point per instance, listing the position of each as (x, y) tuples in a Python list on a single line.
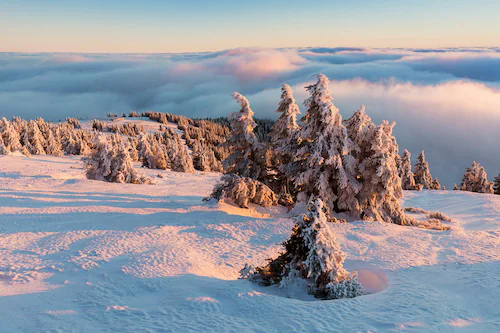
[(246, 149), (283, 138), (98, 164), (111, 162), (3, 148), (36, 139), (455, 187), (122, 168), (131, 146), (405, 172), (145, 151), (475, 179), (496, 184), (10, 136), (376, 150), (311, 253), (435, 184), (204, 158), (53, 146), (328, 170), (422, 173)]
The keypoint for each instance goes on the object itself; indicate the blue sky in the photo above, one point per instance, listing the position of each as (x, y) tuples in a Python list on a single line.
[(195, 25)]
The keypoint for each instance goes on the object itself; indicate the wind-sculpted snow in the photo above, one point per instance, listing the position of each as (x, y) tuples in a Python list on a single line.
[(87, 256)]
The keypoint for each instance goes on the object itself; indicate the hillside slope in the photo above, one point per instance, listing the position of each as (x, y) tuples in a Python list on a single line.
[(88, 256)]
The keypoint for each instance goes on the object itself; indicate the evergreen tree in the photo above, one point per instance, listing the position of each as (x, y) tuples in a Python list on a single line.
[(10, 136), (422, 173), (283, 138), (455, 187), (435, 184), (476, 180), (496, 184), (328, 168), (405, 172), (311, 253), (53, 146), (245, 148), (36, 146), (3, 148), (376, 150)]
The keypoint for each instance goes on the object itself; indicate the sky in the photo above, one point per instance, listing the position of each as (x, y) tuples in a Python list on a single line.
[(157, 26)]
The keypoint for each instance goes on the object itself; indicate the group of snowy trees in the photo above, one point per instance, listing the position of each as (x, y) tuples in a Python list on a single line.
[(164, 151), (37, 137), (111, 161), (338, 168), (421, 178), (125, 129), (350, 165)]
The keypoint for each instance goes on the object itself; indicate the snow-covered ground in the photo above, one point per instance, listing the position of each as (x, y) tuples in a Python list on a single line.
[(88, 256)]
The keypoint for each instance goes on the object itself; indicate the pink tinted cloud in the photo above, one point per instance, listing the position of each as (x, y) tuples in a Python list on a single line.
[(251, 64)]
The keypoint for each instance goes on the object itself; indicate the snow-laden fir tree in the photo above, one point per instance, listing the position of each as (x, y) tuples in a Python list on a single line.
[(405, 172), (98, 164), (328, 168), (204, 158), (311, 253), (435, 184), (246, 150), (11, 137), (422, 174), (36, 139), (53, 145), (3, 148), (283, 138), (110, 161), (475, 179), (455, 187), (496, 184), (376, 150)]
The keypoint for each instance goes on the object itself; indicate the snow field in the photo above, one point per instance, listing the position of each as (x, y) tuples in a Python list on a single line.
[(87, 256)]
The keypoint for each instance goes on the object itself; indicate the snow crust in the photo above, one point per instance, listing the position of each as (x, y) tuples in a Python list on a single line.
[(78, 255)]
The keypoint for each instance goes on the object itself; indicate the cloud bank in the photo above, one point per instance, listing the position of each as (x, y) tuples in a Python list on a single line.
[(446, 101)]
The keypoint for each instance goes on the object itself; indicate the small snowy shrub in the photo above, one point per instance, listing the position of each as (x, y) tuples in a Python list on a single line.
[(313, 254), (243, 190)]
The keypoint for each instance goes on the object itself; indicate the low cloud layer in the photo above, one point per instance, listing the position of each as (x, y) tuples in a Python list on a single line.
[(444, 101)]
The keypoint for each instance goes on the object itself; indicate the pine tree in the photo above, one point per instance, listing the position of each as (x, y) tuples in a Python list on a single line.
[(98, 165), (455, 187), (496, 185), (376, 150), (245, 147), (405, 172), (435, 184), (422, 173), (10, 136), (53, 146), (311, 253), (37, 140), (110, 161), (475, 179), (284, 136), (3, 148), (328, 168)]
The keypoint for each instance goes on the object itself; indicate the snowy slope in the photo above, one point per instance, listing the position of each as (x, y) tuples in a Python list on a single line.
[(88, 256)]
